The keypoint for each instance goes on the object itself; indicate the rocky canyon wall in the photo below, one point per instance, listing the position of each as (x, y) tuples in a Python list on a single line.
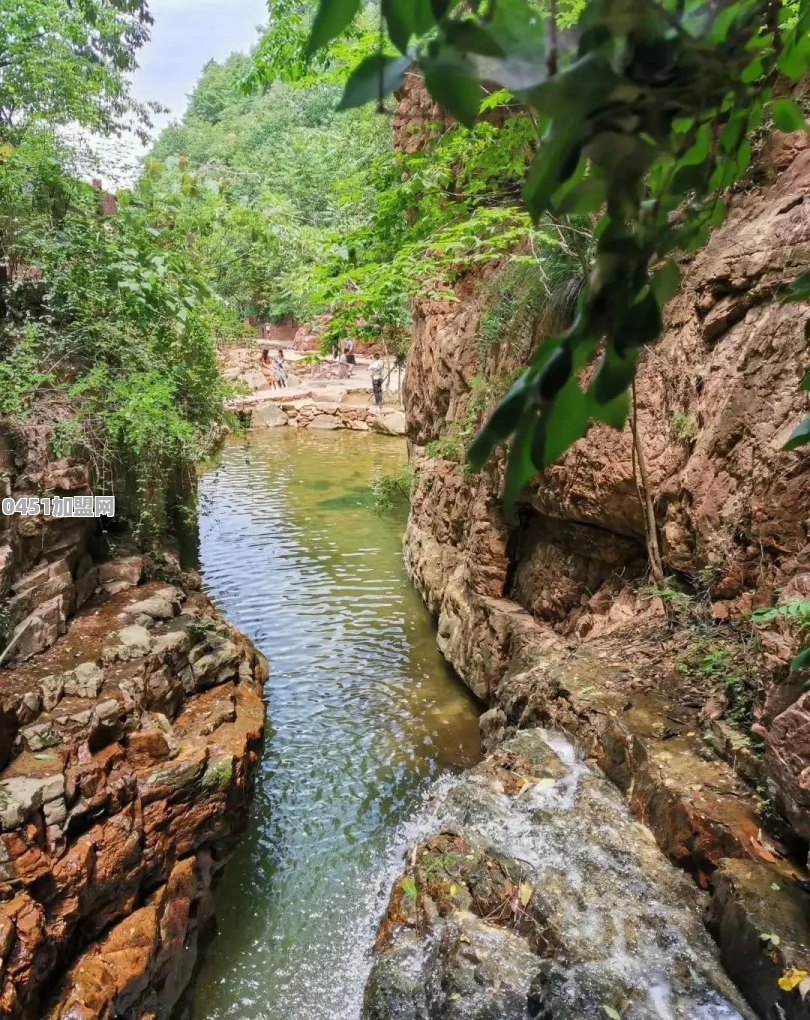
[(551, 619), (130, 728)]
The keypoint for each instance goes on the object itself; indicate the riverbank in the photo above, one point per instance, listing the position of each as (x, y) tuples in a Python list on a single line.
[(317, 396), (130, 730), (673, 689)]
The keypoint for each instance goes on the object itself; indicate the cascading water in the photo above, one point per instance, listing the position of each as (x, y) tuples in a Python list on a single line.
[(555, 904)]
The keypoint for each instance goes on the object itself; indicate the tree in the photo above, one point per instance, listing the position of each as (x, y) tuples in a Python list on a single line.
[(644, 115), (265, 183), (64, 62)]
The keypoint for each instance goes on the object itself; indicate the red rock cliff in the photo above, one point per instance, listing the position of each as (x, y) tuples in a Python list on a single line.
[(548, 620), (129, 735)]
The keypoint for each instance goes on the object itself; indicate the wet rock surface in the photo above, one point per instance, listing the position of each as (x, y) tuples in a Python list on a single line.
[(540, 898), (132, 747)]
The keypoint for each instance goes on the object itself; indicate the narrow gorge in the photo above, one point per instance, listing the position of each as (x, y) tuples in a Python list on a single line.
[(307, 710)]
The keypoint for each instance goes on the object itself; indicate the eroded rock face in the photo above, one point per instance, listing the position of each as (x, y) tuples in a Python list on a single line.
[(539, 898), (133, 745), (716, 401), (544, 617)]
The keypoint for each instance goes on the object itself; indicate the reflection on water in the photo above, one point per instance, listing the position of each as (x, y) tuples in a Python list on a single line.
[(364, 715)]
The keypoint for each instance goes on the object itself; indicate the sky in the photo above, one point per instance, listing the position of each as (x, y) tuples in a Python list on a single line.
[(185, 36)]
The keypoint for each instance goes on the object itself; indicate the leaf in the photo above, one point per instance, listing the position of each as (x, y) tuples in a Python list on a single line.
[(454, 90), (665, 281), (526, 891), (801, 661), (616, 372), (561, 426), (453, 890), (519, 468), (799, 290), (374, 77), (787, 116), (555, 374), (699, 149), (585, 197), (799, 436), (554, 163), (641, 324), (792, 978), (612, 1013), (614, 412), (399, 21), (331, 18), (501, 425), (468, 37)]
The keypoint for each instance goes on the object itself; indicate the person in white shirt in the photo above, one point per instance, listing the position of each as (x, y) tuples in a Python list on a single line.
[(376, 369)]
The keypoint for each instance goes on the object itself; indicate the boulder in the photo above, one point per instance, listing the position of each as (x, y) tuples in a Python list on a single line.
[(268, 416), (390, 424), (787, 763), (324, 421), (539, 896), (125, 572), (129, 643), (38, 631)]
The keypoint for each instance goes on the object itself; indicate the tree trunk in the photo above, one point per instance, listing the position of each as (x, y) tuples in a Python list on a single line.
[(642, 480)]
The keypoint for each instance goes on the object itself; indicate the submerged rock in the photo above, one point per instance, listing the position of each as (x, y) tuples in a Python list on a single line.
[(540, 898)]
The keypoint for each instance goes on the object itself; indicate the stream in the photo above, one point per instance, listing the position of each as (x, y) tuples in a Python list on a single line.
[(365, 717)]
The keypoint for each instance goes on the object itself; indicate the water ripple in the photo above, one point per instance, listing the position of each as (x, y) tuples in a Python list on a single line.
[(365, 717)]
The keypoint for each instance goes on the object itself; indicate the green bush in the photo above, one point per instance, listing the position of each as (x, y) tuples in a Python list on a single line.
[(393, 490)]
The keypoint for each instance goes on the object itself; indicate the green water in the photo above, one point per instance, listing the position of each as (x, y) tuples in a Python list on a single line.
[(365, 717)]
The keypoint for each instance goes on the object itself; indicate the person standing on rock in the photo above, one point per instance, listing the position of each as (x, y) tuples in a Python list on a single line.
[(280, 368), (376, 369), (268, 368)]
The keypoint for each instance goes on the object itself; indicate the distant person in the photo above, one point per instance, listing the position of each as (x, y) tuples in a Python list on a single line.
[(280, 368), (349, 349), (268, 367), (376, 369), (343, 365)]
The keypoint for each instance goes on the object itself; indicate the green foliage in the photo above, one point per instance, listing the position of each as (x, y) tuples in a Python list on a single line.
[(796, 612), (668, 594), (684, 426), (64, 62), (640, 113), (447, 448), (393, 490), (705, 660), (531, 297), (268, 184), (438, 213), (22, 377), (107, 315), (66, 437)]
